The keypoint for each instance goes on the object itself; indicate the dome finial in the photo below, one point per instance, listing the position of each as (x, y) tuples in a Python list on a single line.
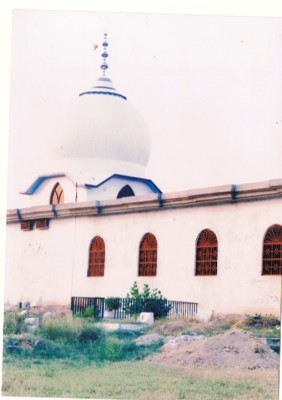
[(104, 55), (104, 84)]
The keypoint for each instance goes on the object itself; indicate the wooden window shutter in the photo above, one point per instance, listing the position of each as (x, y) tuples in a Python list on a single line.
[(26, 225), (42, 224)]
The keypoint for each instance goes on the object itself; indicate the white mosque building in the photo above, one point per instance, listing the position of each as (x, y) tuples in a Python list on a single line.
[(95, 224)]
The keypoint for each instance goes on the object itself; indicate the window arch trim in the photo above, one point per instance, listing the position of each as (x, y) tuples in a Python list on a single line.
[(96, 259), (125, 191), (57, 194), (272, 251), (206, 253), (148, 255)]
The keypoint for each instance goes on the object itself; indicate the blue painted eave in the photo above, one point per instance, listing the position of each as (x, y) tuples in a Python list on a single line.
[(38, 182), (145, 181), (41, 179)]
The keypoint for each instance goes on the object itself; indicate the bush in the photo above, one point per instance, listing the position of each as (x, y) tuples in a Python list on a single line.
[(13, 323), (77, 340), (90, 334), (112, 303), (260, 321), (61, 330), (113, 349), (147, 301), (90, 312), (48, 349)]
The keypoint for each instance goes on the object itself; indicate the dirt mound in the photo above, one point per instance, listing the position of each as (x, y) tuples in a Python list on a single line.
[(233, 349)]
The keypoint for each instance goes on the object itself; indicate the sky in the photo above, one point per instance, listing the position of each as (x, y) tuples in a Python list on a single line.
[(208, 87)]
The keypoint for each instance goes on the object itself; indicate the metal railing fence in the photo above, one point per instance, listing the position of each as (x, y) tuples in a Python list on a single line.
[(127, 307)]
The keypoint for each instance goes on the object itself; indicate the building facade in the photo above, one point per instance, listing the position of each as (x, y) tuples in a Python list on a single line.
[(220, 247), (94, 224)]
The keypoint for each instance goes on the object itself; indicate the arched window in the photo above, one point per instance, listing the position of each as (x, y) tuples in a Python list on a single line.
[(96, 264), (148, 256), (126, 191), (206, 253), (272, 251), (57, 195)]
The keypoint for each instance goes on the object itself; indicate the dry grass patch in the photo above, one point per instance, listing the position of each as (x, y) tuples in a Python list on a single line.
[(179, 326), (135, 381)]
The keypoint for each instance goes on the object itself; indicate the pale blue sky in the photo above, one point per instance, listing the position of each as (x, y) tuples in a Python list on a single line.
[(209, 88)]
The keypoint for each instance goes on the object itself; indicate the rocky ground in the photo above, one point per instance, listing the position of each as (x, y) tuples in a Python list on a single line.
[(220, 343), (232, 349)]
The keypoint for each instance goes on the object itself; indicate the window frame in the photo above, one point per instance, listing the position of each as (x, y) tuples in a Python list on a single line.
[(272, 237), (148, 268), (207, 268), (125, 191), (59, 196), (91, 270), (42, 224), (27, 225)]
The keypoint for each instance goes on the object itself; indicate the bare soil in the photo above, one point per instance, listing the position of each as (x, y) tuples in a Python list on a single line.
[(232, 349), (57, 310), (225, 344)]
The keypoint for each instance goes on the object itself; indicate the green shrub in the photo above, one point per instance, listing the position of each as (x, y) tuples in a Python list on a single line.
[(112, 303), (12, 346), (61, 330), (113, 349), (263, 321), (89, 312), (147, 301), (90, 334), (77, 340), (48, 349), (13, 323)]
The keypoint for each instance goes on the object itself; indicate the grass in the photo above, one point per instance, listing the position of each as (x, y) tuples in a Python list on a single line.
[(132, 380), (208, 332), (77, 359), (77, 340)]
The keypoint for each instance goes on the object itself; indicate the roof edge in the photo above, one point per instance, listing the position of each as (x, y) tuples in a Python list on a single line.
[(194, 198), (42, 178)]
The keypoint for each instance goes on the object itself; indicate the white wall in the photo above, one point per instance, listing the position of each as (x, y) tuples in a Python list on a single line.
[(52, 264), (109, 190), (43, 193), (39, 263)]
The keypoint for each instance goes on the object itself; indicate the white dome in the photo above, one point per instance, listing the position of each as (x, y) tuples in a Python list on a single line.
[(102, 125)]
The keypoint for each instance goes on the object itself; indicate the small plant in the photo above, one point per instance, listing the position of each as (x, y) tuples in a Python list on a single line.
[(258, 320), (90, 312), (112, 303)]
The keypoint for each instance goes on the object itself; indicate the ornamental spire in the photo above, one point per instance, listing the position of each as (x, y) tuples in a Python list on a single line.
[(104, 85), (104, 55)]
